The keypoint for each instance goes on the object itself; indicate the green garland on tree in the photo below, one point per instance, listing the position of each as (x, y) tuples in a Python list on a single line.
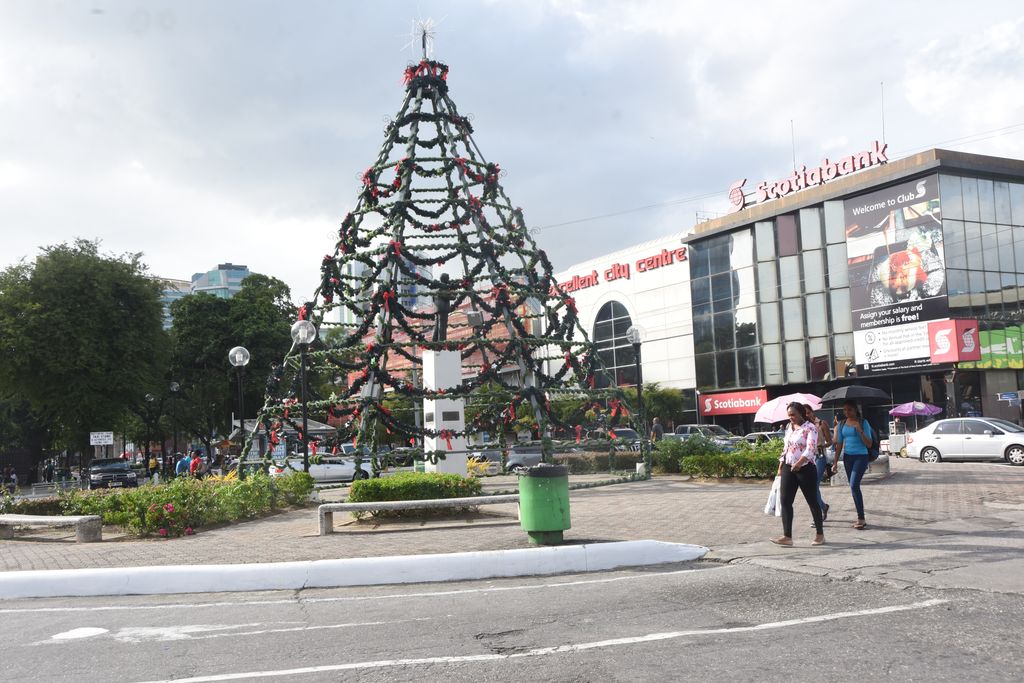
[(432, 220)]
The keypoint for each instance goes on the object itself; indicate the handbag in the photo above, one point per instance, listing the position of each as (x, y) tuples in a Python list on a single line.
[(876, 444), (772, 507)]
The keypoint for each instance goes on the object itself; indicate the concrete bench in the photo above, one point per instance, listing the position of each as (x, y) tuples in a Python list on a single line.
[(326, 511), (88, 528)]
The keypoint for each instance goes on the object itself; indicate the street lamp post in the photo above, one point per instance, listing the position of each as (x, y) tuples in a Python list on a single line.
[(174, 420), (635, 337), (303, 334), (239, 358), (149, 422)]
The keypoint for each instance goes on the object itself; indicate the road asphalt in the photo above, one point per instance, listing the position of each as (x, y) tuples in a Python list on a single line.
[(676, 622), (932, 590)]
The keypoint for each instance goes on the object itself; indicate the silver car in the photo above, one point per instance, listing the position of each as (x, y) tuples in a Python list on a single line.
[(968, 438)]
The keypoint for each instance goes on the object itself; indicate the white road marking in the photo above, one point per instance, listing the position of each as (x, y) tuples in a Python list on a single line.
[(354, 598), (559, 649), (139, 634), (78, 633)]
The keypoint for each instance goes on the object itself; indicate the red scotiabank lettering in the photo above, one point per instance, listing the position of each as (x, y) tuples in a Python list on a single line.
[(829, 170), (666, 258)]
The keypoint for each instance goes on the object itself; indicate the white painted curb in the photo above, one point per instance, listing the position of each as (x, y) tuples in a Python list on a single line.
[(364, 571)]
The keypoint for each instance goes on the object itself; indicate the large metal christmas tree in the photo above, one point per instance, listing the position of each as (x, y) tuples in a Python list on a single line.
[(435, 258)]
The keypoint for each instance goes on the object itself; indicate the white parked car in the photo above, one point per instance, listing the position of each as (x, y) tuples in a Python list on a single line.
[(968, 438), (325, 469)]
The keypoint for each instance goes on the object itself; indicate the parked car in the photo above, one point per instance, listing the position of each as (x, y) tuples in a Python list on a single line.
[(520, 456), (324, 470), (761, 437), (972, 438), (112, 473), (719, 435)]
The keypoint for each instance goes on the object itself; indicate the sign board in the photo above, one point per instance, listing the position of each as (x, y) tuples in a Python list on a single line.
[(101, 438), (1008, 396), (804, 178), (732, 403), (952, 341), (897, 268)]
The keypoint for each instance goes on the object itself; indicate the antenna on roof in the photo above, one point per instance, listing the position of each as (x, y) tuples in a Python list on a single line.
[(792, 139), (882, 86)]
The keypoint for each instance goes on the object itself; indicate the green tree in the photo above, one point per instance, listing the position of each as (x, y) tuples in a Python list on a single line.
[(662, 402), (81, 338), (205, 327)]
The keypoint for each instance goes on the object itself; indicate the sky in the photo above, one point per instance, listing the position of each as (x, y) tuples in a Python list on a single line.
[(200, 133)]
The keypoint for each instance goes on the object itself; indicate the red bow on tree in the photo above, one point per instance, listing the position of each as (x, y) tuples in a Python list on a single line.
[(447, 435), (396, 246), (387, 296), (579, 432)]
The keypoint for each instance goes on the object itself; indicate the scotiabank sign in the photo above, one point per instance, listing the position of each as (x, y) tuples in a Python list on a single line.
[(620, 271), (952, 341), (809, 177), (733, 403)]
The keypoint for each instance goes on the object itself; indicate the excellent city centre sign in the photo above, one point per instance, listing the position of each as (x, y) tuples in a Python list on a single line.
[(804, 177), (617, 271)]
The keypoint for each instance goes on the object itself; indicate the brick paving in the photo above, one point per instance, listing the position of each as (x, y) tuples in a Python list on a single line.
[(667, 508)]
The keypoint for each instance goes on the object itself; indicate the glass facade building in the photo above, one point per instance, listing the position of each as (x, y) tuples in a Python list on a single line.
[(839, 282)]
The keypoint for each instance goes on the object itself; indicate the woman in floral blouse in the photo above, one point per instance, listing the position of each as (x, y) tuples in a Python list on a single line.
[(796, 470)]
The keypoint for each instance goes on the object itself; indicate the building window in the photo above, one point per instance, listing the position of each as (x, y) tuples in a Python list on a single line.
[(616, 352)]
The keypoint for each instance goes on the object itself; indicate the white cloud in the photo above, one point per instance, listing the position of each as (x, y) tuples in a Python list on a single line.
[(209, 132)]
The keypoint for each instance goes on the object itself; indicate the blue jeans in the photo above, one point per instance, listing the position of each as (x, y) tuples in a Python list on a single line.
[(821, 464), (856, 466)]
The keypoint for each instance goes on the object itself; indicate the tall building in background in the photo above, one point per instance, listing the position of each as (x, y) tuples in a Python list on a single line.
[(172, 291), (225, 281)]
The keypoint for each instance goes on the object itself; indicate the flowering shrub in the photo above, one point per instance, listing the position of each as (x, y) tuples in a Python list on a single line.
[(185, 504)]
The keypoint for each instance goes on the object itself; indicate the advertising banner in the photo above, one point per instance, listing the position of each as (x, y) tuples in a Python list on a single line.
[(897, 274), (733, 403)]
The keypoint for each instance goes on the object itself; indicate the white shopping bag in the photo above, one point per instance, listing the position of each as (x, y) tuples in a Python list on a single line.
[(772, 507)]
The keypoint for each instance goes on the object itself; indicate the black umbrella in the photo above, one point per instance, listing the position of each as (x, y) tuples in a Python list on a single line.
[(855, 392)]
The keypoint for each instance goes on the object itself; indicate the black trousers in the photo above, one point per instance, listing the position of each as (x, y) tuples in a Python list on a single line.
[(805, 479)]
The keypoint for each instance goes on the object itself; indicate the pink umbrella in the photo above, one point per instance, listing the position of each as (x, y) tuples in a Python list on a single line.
[(775, 410)]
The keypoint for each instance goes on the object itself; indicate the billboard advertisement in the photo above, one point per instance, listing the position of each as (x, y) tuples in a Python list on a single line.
[(897, 274)]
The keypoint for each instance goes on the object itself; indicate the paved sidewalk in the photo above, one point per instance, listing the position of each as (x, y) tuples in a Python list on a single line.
[(943, 524)]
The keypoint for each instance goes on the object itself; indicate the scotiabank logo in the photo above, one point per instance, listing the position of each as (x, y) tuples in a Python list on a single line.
[(734, 403), (952, 341), (941, 339), (969, 342), (736, 198)]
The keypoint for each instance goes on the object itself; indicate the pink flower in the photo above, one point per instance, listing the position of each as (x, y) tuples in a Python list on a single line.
[(162, 532), (169, 507), (189, 531)]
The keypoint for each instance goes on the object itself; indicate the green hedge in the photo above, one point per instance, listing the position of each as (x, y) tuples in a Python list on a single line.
[(414, 486), (668, 453), (590, 463), (30, 506), (736, 464), (186, 504)]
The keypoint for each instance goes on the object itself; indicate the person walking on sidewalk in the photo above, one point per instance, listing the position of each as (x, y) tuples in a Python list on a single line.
[(796, 470), (820, 459), (853, 439), (657, 431)]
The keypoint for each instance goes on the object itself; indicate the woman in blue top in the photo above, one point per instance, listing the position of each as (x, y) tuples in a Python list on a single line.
[(853, 439)]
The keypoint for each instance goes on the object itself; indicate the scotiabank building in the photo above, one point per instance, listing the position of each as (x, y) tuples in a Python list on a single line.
[(906, 275)]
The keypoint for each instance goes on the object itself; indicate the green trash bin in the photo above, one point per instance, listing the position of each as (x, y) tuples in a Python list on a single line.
[(544, 503)]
